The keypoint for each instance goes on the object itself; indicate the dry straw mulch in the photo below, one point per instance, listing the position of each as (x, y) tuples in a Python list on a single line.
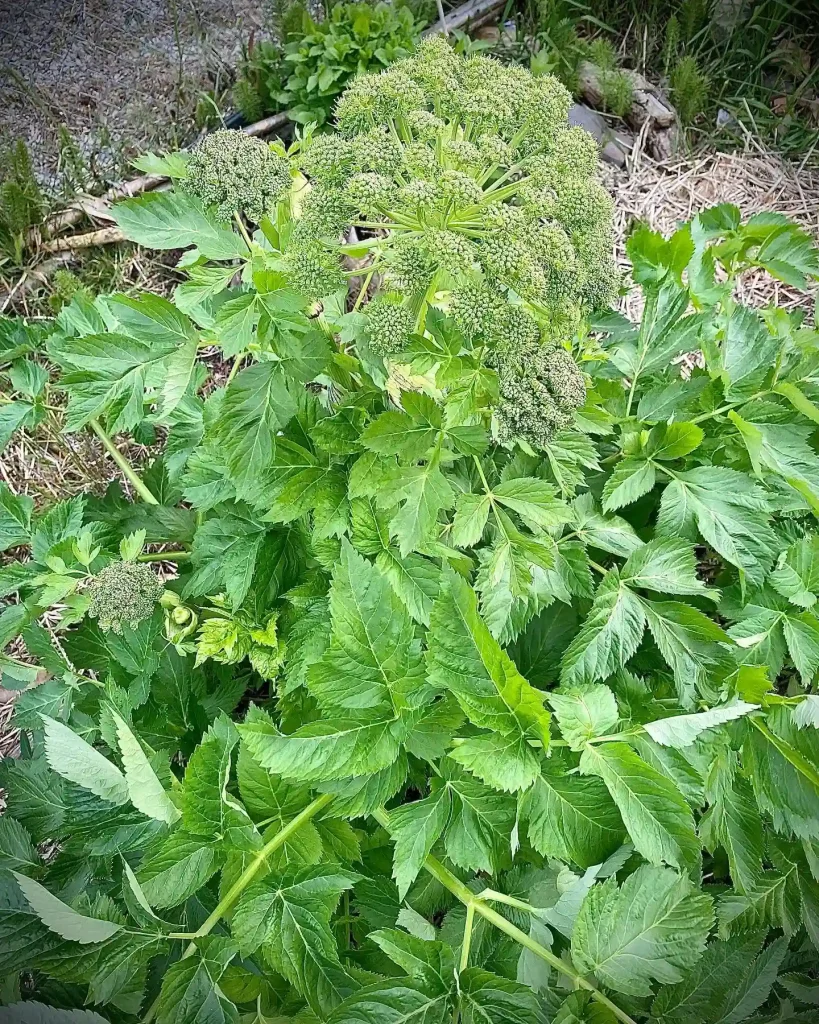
[(664, 196)]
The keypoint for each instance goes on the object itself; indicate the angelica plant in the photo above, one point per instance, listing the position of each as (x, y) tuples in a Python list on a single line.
[(482, 682), (487, 199)]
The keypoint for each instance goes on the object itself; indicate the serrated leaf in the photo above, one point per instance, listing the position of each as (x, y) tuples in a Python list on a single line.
[(584, 712), (330, 749), (658, 819), (631, 479), (290, 918), (507, 763), (190, 991), (32, 1012), (144, 788), (393, 1002), (572, 818), (682, 730), (665, 565), (16, 848), (486, 997), (61, 919), (425, 492), (177, 869), (648, 930), (429, 963), (415, 828), (373, 664), (729, 511), (609, 636), (75, 760), (177, 220), (464, 658)]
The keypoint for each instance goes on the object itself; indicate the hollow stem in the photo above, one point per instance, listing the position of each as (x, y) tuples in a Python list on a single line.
[(128, 470), (469, 899), (165, 556), (231, 897)]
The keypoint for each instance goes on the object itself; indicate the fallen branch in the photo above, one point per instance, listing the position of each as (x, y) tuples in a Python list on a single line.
[(104, 236)]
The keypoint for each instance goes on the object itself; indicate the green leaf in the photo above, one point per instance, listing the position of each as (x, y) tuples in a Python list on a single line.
[(479, 836), (572, 818), (61, 919), (534, 500), (585, 712), (190, 991), (507, 763), (469, 522), (609, 533), (77, 761), (396, 433), (177, 869), (631, 479), (682, 730), (609, 636), (486, 998), (796, 576), (122, 964), (730, 512), (425, 492), (782, 449), (431, 964), (144, 788), (15, 518), (415, 579), (331, 749), (774, 902), (665, 565), (256, 405), (13, 416), (393, 1002), (17, 851), (658, 819), (687, 640), (32, 1012), (707, 993), (670, 441), (785, 773), (208, 809), (748, 353), (464, 658), (734, 823), (802, 637), (373, 664), (415, 828), (290, 918), (652, 927), (176, 220)]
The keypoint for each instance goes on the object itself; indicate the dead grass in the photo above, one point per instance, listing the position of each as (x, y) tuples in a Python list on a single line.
[(756, 181)]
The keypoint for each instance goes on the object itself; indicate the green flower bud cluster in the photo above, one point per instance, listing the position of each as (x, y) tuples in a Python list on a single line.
[(541, 388), (123, 592), (471, 168), (237, 173), (389, 324)]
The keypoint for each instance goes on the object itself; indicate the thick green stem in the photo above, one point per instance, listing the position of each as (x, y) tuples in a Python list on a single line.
[(127, 469), (231, 897), (470, 899), (165, 556)]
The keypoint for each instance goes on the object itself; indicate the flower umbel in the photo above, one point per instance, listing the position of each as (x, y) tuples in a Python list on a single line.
[(123, 592), (237, 174)]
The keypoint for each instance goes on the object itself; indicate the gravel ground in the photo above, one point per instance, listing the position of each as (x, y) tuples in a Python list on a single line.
[(122, 76)]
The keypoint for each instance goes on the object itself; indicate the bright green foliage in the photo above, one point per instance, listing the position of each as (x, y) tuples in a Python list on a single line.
[(322, 57), (237, 174), (430, 723)]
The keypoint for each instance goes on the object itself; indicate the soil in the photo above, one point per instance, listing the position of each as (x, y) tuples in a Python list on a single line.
[(123, 76)]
